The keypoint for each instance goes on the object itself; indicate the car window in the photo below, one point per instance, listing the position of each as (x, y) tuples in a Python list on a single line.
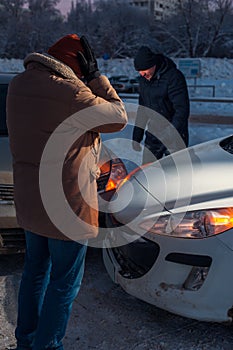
[(3, 93), (123, 80)]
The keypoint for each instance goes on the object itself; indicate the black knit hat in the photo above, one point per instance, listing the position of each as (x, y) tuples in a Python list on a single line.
[(144, 58)]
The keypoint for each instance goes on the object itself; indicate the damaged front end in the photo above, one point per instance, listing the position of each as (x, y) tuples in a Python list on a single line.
[(175, 247)]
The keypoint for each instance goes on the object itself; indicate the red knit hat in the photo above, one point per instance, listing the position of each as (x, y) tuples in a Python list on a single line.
[(65, 50)]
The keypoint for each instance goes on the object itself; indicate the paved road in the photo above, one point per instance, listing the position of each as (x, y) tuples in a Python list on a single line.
[(104, 317)]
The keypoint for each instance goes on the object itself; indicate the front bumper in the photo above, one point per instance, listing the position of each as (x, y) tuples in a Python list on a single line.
[(12, 241), (169, 284)]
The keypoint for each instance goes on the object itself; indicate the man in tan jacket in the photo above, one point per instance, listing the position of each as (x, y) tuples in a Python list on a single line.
[(60, 96)]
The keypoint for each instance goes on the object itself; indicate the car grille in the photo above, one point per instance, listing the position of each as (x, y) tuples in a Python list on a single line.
[(6, 194), (12, 241), (136, 258)]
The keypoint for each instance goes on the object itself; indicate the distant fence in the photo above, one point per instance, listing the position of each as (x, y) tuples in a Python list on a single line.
[(197, 118), (203, 86), (192, 99), (212, 99)]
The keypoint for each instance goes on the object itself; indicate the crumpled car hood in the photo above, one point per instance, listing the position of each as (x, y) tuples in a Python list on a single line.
[(194, 178), (199, 174)]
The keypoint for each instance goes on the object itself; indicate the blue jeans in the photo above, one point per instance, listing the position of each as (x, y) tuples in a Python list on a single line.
[(50, 282)]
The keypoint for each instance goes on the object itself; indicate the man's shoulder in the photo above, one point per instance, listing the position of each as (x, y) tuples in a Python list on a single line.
[(175, 71)]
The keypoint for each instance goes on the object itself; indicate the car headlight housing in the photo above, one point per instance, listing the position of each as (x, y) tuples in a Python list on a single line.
[(117, 174), (192, 224)]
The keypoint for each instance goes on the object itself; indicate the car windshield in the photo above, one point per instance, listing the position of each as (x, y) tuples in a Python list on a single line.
[(3, 93)]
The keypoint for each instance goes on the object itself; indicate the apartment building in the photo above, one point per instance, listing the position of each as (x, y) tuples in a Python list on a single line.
[(159, 8)]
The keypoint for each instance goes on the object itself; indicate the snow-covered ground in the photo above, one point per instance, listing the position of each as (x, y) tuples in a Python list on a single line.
[(214, 71)]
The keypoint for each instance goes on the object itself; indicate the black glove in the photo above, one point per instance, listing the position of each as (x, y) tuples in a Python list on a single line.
[(87, 61)]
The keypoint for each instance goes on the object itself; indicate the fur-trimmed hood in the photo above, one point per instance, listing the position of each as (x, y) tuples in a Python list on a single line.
[(52, 63)]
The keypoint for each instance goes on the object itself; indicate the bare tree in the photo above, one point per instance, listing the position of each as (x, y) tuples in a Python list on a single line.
[(11, 27), (196, 27), (46, 24), (112, 26), (217, 31), (79, 17), (28, 25), (13, 7)]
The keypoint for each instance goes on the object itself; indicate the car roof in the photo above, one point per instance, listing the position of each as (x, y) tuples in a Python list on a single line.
[(5, 77)]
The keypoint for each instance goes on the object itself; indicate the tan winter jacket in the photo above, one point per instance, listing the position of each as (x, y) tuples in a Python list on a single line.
[(45, 98)]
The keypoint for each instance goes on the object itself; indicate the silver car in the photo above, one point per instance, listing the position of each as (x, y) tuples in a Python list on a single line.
[(171, 237)]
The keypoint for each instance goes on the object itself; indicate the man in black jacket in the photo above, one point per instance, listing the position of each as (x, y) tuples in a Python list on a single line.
[(163, 106)]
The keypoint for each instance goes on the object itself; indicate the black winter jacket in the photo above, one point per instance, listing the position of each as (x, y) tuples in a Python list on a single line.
[(167, 94)]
